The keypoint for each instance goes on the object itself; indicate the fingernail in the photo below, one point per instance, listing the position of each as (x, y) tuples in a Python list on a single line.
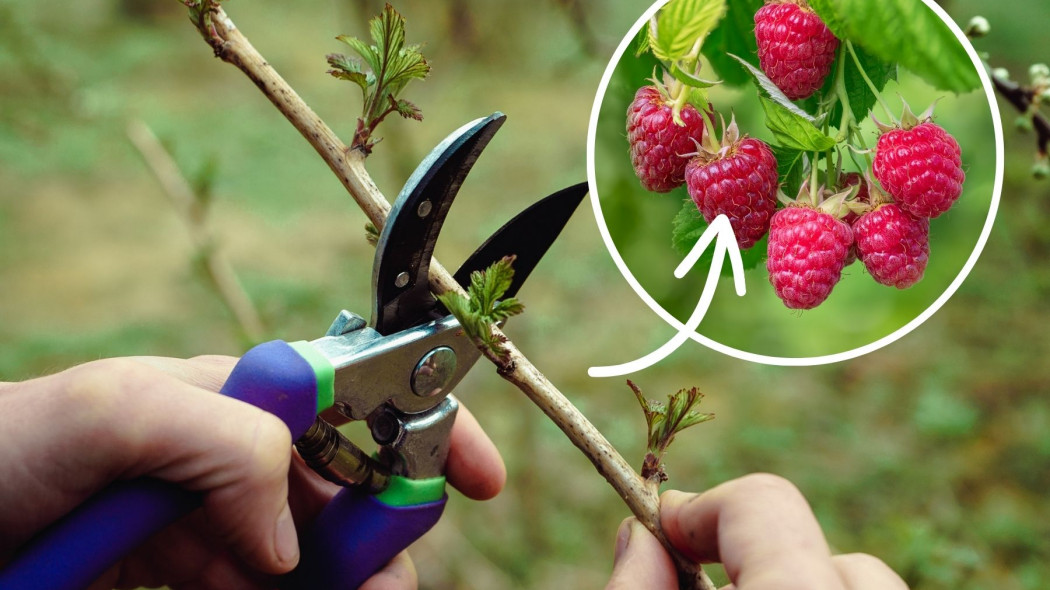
[(286, 540), (623, 538)]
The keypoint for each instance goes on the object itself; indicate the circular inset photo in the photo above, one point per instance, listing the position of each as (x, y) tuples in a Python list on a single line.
[(850, 152)]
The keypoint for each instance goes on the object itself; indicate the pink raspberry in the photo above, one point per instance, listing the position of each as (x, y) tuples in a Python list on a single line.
[(659, 146), (795, 48), (921, 167), (738, 181), (807, 251), (893, 245)]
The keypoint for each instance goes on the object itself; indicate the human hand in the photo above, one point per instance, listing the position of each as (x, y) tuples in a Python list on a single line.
[(67, 436), (759, 527)]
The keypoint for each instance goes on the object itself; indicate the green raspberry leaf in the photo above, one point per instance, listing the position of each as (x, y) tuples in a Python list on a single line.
[(348, 68), (792, 131), (735, 35), (861, 100), (904, 32), (681, 24), (484, 307), (406, 109), (789, 168), (772, 91), (392, 65)]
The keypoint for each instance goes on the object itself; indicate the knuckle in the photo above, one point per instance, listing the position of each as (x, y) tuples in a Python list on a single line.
[(770, 484), (102, 383), (863, 565)]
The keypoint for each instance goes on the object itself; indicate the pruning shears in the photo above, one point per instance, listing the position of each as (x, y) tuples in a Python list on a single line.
[(395, 372)]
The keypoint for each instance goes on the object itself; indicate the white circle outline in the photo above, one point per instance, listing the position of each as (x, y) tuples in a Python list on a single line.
[(797, 361)]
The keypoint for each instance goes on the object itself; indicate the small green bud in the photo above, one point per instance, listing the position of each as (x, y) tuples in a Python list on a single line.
[(1041, 168), (978, 27), (1039, 74), (1044, 96), (1023, 124), (1001, 73)]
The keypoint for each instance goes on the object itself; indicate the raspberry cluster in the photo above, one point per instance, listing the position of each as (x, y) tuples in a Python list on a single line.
[(812, 238)]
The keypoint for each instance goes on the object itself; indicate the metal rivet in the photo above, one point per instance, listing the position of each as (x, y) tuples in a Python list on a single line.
[(386, 428), (424, 208), (401, 280), (434, 372)]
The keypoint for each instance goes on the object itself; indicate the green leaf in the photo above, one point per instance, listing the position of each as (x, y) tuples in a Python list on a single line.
[(789, 168), (904, 32), (406, 109), (880, 72), (735, 34), (506, 308), (456, 305), (681, 24), (687, 227), (347, 68), (641, 42), (393, 65), (792, 131), (772, 91), (690, 80), (482, 308), (367, 52)]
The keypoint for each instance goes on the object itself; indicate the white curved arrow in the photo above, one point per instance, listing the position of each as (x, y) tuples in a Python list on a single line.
[(721, 233)]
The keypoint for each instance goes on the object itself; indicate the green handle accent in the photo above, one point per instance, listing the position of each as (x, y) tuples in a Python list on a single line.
[(410, 492), (324, 371)]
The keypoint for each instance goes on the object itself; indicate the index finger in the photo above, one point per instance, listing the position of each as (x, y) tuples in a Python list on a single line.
[(759, 527)]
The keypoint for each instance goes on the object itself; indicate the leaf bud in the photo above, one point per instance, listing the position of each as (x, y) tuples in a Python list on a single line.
[(978, 27)]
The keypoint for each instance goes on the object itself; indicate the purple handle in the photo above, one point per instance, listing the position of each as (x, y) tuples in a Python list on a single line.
[(355, 536), (73, 552)]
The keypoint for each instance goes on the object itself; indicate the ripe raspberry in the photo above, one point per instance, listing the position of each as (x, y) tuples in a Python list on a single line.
[(807, 251), (921, 166), (740, 181), (658, 144), (893, 245), (795, 48)]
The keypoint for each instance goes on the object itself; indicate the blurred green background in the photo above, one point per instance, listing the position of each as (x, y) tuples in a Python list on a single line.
[(932, 453)]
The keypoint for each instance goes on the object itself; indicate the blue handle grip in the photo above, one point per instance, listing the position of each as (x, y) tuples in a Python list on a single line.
[(75, 551), (355, 536)]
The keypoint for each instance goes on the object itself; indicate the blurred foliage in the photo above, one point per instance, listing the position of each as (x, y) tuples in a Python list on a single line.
[(931, 453)]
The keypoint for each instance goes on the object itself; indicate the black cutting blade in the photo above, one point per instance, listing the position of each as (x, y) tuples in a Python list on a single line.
[(400, 275), (527, 237)]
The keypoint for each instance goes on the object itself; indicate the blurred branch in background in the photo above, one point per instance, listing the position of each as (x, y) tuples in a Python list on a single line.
[(191, 204), (1028, 100)]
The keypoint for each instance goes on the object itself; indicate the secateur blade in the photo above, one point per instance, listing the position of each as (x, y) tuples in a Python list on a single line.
[(527, 236), (400, 275)]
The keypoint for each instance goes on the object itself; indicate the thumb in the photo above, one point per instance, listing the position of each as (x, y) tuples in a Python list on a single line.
[(640, 561)]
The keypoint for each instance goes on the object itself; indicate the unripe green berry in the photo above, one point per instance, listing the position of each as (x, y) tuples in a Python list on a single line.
[(1039, 74), (1001, 73), (1041, 168), (1023, 124), (978, 27)]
